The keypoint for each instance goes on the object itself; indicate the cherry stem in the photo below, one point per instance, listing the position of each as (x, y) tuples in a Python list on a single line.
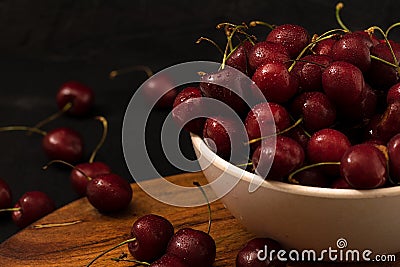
[(22, 128), (383, 61), (257, 22), (10, 209), (255, 140), (210, 41), (51, 225), (146, 69), (294, 181), (208, 205), (56, 115), (131, 260), (244, 164), (45, 167), (339, 7), (391, 27), (103, 137), (371, 29), (229, 35), (108, 250)]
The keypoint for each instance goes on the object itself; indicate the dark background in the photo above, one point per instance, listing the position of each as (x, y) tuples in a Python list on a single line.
[(45, 43)]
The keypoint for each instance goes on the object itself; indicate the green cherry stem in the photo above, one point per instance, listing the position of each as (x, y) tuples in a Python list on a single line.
[(118, 72), (257, 22), (45, 167), (131, 260), (294, 181), (339, 7), (22, 128), (371, 29), (210, 41), (102, 139), (208, 205), (110, 249), (391, 27), (56, 115), (10, 209)]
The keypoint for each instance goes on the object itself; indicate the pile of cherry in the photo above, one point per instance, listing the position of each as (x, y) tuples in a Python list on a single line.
[(105, 190), (334, 100)]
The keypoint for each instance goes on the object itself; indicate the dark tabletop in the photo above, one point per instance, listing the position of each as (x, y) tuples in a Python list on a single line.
[(45, 44)]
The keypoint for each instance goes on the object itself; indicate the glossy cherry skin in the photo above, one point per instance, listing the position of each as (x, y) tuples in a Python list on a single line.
[(160, 84), (78, 94), (169, 260), (324, 47), (263, 117), (343, 83), (364, 167), (393, 147), (327, 145), (309, 71), (109, 193), (32, 206), (393, 95), (263, 52), (152, 233), (380, 74), (316, 110), (63, 144), (313, 177), (79, 180), (341, 183), (389, 124), (5, 195), (247, 256), (352, 48), (289, 156), (238, 59), (275, 82), (189, 102), (293, 37), (196, 248)]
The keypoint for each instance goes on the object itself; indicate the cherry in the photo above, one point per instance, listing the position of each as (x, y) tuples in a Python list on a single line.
[(293, 37), (381, 74), (5, 195), (217, 135), (393, 147), (61, 143), (30, 207), (189, 102), (225, 86), (341, 183), (393, 95), (248, 254), (109, 192), (78, 94), (289, 156), (275, 82), (80, 173), (64, 144), (312, 177), (368, 37), (324, 47), (343, 83), (316, 110), (262, 116), (327, 145), (352, 48), (309, 70), (389, 124), (299, 135), (238, 58), (196, 248), (364, 167), (263, 52), (169, 260), (152, 234)]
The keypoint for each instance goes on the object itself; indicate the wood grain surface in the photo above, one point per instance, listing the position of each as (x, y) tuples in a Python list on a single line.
[(91, 232)]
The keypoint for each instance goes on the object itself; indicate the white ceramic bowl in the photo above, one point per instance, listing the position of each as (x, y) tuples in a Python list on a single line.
[(302, 217)]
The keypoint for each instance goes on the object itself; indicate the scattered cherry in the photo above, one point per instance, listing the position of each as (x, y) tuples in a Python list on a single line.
[(78, 94), (248, 255)]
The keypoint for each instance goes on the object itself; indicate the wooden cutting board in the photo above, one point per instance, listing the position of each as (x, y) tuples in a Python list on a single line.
[(91, 233)]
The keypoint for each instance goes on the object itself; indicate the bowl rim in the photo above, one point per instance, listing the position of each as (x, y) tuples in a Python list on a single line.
[(223, 165)]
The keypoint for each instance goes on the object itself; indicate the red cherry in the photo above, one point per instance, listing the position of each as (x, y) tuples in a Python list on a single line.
[(30, 207), (263, 52), (157, 85), (393, 147), (78, 94), (63, 144), (169, 260), (79, 181), (109, 192)]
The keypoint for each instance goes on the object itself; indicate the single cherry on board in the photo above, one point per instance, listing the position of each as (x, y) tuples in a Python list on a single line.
[(78, 94), (30, 207), (150, 235), (248, 256), (169, 260)]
